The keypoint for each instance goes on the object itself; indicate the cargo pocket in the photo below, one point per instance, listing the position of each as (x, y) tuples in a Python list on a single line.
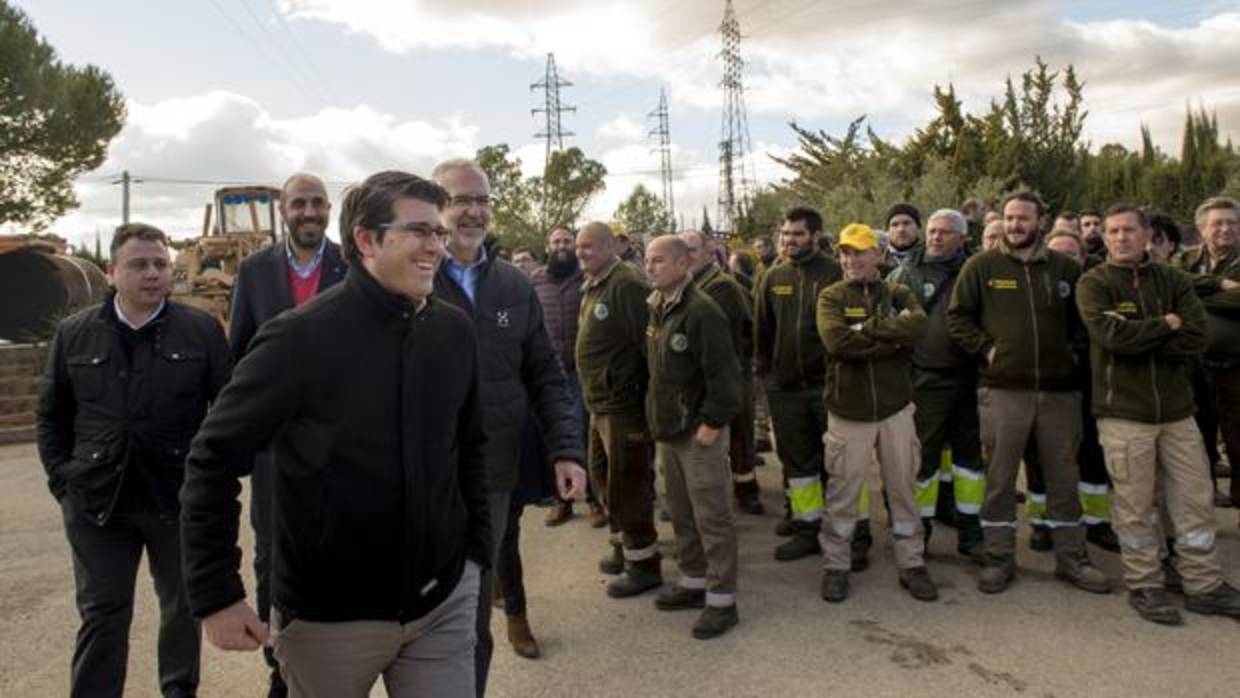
[(1115, 453), (835, 450)]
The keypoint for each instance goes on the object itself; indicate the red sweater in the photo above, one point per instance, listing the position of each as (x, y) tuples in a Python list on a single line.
[(303, 289)]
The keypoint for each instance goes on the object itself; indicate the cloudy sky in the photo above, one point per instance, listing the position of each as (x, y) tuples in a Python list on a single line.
[(252, 90)]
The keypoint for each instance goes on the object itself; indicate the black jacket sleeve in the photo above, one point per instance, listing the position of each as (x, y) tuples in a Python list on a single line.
[(472, 471), (265, 389), (55, 415), (548, 390)]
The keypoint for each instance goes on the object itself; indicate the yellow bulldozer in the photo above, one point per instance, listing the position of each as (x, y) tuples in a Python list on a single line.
[(239, 222)]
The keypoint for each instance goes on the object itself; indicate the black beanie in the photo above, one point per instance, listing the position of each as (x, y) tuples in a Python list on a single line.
[(906, 209)]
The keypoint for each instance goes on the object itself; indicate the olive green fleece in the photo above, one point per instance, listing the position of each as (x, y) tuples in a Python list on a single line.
[(695, 377), (736, 304), (611, 340), (786, 343), (1140, 365), (869, 330), (1026, 312)]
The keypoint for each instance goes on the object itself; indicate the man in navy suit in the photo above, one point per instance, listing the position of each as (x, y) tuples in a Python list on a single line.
[(272, 280)]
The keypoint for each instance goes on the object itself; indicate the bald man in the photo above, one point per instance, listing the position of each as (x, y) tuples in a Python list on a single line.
[(611, 362), (272, 280), (694, 394), (737, 305)]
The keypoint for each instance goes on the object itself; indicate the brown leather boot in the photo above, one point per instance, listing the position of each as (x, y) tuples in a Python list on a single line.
[(521, 638)]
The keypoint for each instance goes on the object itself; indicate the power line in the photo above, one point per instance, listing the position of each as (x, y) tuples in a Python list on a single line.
[(553, 132), (311, 64), (735, 186), (663, 133)]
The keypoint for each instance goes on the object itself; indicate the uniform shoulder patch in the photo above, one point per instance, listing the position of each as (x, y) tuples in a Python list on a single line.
[(600, 311), (679, 342), (1065, 289)]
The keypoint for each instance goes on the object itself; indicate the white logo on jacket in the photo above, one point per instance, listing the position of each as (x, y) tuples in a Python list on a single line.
[(679, 342), (601, 312), (501, 318)]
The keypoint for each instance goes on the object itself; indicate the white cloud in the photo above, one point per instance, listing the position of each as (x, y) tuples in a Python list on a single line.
[(815, 61), (623, 128), (225, 136)]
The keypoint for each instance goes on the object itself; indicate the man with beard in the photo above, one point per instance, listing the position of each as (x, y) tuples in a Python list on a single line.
[(1013, 307), (736, 305), (558, 285), (282, 276), (903, 236), (1215, 266), (792, 360), (1091, 233), (521, 378), (945, 389)]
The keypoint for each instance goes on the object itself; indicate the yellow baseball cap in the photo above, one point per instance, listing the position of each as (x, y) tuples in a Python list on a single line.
[(858, 236)]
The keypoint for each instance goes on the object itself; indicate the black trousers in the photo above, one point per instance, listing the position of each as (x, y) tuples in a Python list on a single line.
[(260, 521), (509, 571), (105, 569)]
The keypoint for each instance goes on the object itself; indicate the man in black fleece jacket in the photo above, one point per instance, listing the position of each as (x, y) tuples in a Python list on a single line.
[(369, 397)]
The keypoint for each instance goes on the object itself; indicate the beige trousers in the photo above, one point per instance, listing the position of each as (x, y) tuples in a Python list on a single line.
[(850, 448), (1141, 459), (699, 499)]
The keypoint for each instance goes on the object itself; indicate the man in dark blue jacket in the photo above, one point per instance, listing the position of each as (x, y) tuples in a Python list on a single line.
[(127, 384), (368, 395), (517, 364), (270, 281)]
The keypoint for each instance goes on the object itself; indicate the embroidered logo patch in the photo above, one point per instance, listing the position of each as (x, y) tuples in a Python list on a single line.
[(927, 289), (1003, 284), (501, 318), (855, 312), (679, 342), (601, 312), (1126, 308), (781, 290), (1065, 289)]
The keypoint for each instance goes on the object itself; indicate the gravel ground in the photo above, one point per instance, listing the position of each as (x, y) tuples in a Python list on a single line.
[(1040, 639)]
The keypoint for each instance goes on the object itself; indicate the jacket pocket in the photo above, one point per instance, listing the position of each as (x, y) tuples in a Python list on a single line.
[(88, 374), (183, 372)]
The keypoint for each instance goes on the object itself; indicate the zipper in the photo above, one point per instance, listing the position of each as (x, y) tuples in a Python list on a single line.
[(1136, 287), (1037, 344), (800, 313)]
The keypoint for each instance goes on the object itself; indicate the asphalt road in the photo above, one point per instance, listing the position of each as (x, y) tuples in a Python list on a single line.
[(1039, 639)]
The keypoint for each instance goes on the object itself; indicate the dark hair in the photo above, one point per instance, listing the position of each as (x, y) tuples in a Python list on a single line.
[(369, 204), (812, 219), (1027, 196), (1120, 209), (1068, 215), (136, 231), (1164, 225), (745, 262), (765, 238), (1090, 212)]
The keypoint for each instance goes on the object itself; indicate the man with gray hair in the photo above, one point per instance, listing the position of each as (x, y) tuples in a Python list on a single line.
[(950, 483), (521, 378)]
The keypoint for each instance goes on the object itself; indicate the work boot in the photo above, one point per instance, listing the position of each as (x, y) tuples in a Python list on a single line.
[(678, 598), (834, 587), (715, 621), (1172, 581), (919, 584), (637, 579), (969, 542), (597, 518), (786, 527), (558, 513), (1077, 570), (1222, 600), (1040, 539), (1103, 536), (860, 546), (613, 563), (1155, 606), (997, 574), (521, 638), (750, 504), (803, 543)]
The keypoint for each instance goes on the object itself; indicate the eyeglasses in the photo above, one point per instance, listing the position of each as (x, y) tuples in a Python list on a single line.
[(465, 201), (424, 232)]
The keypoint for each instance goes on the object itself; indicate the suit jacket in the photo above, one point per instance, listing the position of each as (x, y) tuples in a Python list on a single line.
[(261, 290)]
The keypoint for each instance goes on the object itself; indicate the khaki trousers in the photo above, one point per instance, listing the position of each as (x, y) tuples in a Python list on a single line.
[(431, 656), (699, 500), (850, 448), (1142, 459), (1009, 420)]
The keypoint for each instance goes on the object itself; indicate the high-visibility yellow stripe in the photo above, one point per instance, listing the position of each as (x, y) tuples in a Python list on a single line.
[(863, 503), (1035, 508), (927, 495), (805, 498), (970, 489), (1095, 503)]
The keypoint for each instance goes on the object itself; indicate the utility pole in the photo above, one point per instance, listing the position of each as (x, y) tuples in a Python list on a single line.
[(735, 169), (125, 180), (553, 131), (664, 148)]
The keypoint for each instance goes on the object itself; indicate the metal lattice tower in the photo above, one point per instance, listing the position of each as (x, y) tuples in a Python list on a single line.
[(735, 169), (664, 148), (553, 132)]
